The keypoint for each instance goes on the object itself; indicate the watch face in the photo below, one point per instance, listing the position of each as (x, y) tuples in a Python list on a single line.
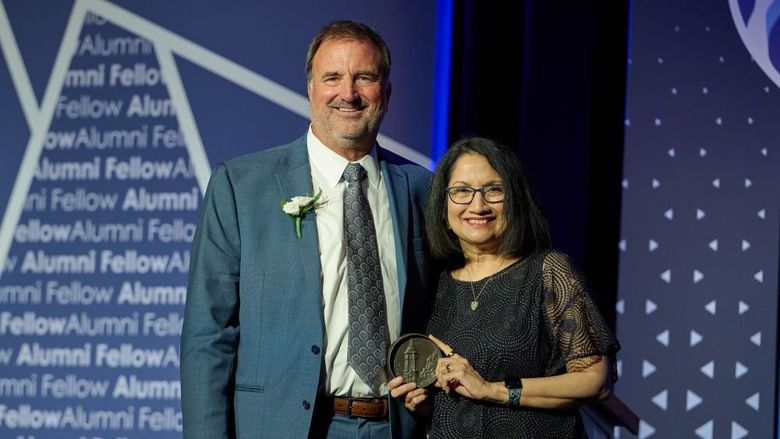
[(513, 383), (414, 357)]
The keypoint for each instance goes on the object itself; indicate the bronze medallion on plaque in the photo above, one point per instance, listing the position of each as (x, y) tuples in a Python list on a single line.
[(414, 356)]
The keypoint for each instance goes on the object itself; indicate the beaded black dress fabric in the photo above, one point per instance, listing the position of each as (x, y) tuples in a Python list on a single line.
[(533, 318)]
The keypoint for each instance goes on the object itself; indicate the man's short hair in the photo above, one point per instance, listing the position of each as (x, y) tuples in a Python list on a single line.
[(349, 30)]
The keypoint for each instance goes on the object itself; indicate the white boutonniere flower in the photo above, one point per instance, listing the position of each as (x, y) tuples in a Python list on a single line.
[(298, 207)]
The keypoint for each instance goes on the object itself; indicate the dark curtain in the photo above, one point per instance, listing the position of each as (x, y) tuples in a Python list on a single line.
[(548, 80)]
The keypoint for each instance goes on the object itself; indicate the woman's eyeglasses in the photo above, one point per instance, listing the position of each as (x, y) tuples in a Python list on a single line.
[(493, 193)]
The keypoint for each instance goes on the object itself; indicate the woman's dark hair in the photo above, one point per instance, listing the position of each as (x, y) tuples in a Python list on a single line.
[(526, 232)]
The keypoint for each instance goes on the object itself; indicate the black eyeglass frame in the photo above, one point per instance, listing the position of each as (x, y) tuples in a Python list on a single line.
[(474, 193)]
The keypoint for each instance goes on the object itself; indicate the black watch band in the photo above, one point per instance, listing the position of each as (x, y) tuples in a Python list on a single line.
[(515, 387)]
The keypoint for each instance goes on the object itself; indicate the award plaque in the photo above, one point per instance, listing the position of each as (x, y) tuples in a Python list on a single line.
[(414, 357)]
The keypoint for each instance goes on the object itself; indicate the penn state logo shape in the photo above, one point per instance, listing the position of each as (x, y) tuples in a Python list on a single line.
[(758, 23)]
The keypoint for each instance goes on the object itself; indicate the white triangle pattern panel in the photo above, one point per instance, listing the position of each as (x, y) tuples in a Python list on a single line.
[(699, 339)]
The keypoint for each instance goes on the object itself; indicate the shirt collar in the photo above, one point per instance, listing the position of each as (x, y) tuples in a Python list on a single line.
[(330, 166)]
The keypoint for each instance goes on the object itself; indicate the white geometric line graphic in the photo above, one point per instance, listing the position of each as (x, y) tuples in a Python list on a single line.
[(19, 77), (187, 125), (229, 70), (39, 128), (166, 44)]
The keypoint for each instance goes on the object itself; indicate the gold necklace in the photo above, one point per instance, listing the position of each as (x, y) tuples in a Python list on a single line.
[(475, 297)]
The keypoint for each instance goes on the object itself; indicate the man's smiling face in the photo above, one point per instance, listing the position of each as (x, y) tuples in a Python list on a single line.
[(348, 96)]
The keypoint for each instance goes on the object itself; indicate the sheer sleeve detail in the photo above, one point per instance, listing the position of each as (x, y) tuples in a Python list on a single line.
[(578, 332)]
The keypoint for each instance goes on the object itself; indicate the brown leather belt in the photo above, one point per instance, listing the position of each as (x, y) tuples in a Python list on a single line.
[(373, 408)]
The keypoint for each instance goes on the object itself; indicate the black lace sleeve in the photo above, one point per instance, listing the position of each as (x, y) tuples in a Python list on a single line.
[(576, 327)]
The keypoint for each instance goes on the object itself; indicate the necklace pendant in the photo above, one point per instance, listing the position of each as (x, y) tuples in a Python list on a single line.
[(474, 305)]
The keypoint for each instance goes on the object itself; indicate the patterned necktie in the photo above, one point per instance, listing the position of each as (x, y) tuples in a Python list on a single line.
[(368, 334)]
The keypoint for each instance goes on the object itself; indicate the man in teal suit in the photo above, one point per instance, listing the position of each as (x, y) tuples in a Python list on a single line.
[(265, 341)]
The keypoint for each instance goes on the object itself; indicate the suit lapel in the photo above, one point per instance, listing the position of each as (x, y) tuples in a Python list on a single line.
[(397, 186), (294, 178)]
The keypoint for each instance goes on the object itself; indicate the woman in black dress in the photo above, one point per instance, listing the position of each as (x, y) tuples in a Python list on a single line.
[(523, 342)]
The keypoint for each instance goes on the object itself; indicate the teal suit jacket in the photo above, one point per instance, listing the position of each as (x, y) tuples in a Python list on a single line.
[(252, 342)]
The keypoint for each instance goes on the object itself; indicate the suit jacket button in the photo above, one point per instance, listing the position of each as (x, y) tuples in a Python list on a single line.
[(315, 349), (306, 405)]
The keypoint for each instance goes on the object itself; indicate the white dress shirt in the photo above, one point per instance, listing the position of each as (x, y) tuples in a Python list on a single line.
[(327, 168)]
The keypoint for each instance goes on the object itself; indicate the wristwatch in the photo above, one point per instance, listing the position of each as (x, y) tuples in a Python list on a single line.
[(515, 387)]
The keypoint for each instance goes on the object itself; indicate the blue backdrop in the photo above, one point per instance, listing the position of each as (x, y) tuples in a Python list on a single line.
[(697, 309), (112, 115)]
